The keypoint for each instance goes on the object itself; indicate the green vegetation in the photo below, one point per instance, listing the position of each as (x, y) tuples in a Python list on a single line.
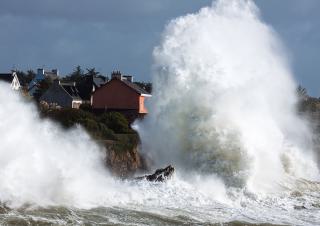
[(307, 104), (108, 126), (86, 107), (116, 121), (126, 142), (78, 74)]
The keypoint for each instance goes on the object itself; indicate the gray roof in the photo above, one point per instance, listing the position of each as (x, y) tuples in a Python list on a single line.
[(137, 88), (71, 89), (51, 75)]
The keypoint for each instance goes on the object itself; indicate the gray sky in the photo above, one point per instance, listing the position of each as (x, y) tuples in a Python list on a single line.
[(120, 34)]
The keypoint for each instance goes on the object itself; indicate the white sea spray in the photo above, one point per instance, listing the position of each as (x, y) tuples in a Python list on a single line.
[(224, 100)]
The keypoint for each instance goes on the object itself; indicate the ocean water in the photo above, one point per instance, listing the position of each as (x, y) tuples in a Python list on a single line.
[(180, 203), (223, 113)]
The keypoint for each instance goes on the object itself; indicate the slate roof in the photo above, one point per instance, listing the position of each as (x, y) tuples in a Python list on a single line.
[(131, 85), (51, 75), (71, 89), (137, 88), (6, 77)]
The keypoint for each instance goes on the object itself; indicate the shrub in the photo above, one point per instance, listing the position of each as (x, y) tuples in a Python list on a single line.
[(104, 127), (68, 117), (106, 133), (126, 142), (115, 121), (89, 124), (86, 107)]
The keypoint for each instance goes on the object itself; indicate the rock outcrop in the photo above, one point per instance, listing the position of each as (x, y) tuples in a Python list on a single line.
[(160, 175), (125, 163)]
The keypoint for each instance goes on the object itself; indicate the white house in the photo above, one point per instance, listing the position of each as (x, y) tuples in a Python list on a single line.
[(11, 78)]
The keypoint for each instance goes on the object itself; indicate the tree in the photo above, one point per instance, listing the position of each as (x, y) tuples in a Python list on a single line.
[(92, 72), (76, 75), (25, 78), (302, 93), (85, 84), (42, 87), (30, 75)]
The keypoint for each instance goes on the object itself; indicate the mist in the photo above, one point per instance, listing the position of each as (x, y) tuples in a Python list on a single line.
[(224, 101), (43, 164)]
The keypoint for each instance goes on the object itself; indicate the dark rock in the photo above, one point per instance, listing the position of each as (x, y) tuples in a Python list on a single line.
[(124, 163), (299, 207), (316, 205), (160, 175)]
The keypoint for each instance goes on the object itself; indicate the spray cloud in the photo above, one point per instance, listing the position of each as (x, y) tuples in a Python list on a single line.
[(43, 164), (224, 100)]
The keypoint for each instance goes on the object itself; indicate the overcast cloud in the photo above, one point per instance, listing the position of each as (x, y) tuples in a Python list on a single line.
[(120, 34)]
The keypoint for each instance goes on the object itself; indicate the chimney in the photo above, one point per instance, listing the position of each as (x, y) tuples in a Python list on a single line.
[(128, 78), (116, 74), (40, 71)]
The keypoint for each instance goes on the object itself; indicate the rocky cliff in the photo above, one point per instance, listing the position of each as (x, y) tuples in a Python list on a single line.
[(124, 161)]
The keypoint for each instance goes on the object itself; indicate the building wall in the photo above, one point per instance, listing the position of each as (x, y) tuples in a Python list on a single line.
[(142, 108), (115, 95), (15, 84), (76, 104), (56, 94)]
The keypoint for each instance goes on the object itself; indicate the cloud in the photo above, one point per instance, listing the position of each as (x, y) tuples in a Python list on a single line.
[(121, 34), (95, 10), (97, 33)]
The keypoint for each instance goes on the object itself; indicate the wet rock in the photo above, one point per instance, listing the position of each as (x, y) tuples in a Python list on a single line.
[(296, 194), (300, 207), (4, 209), (315, 205), (160, 175), (124, 163)]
